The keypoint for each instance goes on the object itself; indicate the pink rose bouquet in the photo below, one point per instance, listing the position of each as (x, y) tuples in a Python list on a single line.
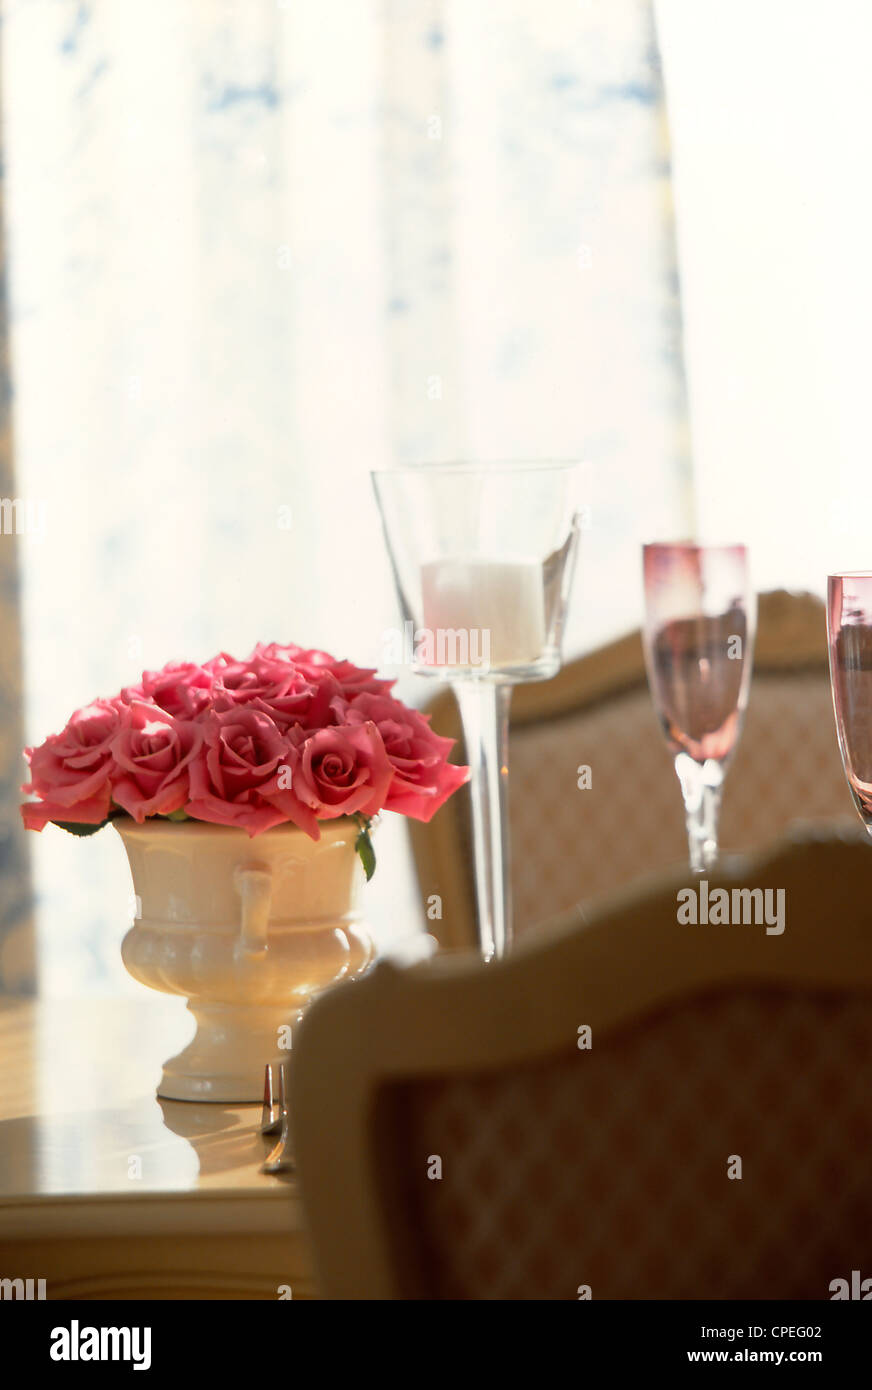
[(286, 736)]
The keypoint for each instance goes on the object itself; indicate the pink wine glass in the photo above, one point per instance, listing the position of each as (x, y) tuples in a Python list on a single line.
[(700, 614), (849, 633)]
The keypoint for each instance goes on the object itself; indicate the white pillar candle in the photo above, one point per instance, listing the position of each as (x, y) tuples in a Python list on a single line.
[(497, 605)]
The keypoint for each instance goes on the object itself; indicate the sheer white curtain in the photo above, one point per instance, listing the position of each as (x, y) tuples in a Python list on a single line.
[(771, 118), (258, 248)]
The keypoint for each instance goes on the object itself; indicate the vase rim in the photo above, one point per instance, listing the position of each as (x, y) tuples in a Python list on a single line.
[(158, 825)]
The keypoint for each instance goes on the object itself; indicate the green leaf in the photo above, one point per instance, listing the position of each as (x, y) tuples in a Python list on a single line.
[(363, 845), (178, 815), (78, 828)]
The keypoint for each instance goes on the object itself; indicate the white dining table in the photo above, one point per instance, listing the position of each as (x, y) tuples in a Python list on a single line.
[(108, 1192)]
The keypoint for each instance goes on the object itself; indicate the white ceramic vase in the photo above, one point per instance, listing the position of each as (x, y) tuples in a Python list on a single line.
[(247, 930)]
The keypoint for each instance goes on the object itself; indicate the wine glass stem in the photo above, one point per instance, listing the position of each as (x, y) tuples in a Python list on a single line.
[(701, 786), (484, 710)]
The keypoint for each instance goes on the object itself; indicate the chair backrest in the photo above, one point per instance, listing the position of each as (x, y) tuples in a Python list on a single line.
[(573, 844), (630, 1108)]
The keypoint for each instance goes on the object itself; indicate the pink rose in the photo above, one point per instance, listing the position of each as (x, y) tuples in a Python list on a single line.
[(70, 771), (181, 688), (273, 686), (153, 752), (275, 651), (243, 750), (315, 665), (423, 777), (339, 771), (92, 810)]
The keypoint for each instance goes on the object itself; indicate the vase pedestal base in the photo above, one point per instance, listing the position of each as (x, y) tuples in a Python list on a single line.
[(225, 1061)]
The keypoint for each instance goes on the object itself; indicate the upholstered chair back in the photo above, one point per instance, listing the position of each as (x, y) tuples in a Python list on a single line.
[(634, 1106), (717, 1149)]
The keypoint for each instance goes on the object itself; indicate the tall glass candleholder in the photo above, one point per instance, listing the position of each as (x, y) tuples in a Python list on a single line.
[(483, 557)]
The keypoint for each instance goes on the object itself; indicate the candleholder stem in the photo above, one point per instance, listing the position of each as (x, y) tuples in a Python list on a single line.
[(484, 711)]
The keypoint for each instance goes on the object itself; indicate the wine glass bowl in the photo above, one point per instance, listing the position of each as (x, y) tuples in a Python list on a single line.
[(700, 614), (849, 639)]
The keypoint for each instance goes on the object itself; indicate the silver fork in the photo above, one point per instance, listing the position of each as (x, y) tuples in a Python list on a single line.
[(280, 1159), (271, 1118)]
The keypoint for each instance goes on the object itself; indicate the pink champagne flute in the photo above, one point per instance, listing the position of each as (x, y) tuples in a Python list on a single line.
[(700, 617), (849, 634)]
